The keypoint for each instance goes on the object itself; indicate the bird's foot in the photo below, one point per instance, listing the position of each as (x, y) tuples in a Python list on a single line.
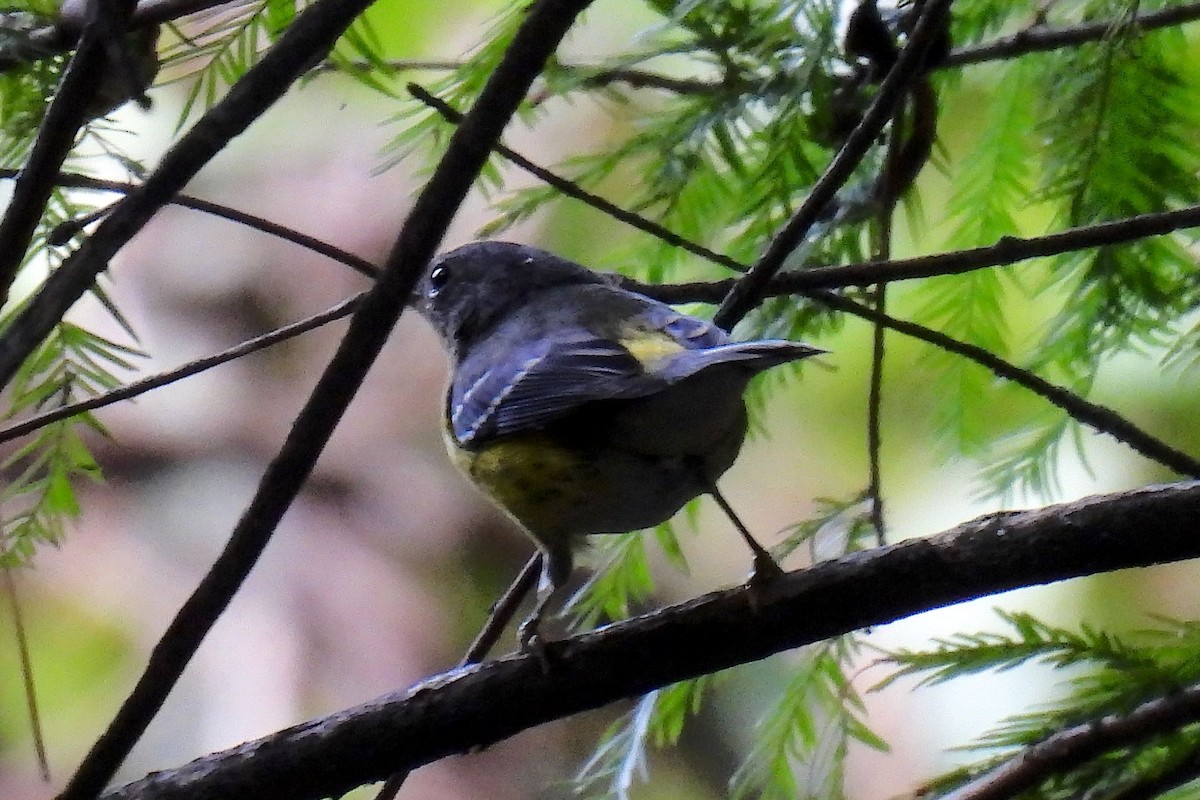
[(533, 643), (765, 573)]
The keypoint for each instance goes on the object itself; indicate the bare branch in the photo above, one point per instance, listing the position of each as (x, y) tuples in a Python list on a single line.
[(26, 661), (499, 616), (568, 188), (68, 112), (471, 708), (1041, 38), (1007, 250), (1079, 744), (1096, 416), (77, 181), (309, 37), (264, 83), (747, 290), (140, 387), (546, 23)]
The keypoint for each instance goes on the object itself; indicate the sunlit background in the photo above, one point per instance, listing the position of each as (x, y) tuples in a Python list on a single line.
[(384, 569)]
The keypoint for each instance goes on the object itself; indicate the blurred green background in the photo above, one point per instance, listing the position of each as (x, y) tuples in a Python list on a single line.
[(380, 575)]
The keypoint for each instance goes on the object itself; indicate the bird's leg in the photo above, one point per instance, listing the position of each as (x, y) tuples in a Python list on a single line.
[(556, 569), (502, 611), (765, 568)]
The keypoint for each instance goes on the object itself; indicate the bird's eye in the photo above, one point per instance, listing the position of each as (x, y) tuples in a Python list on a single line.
[(437, 280)]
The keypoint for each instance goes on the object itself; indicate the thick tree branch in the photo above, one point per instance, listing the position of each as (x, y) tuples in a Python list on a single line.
[(68, 112), (309, 37), (547, 22), (466, 709)]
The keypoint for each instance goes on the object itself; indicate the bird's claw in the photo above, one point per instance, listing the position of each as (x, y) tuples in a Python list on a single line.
[(765, 573), (532, 643)]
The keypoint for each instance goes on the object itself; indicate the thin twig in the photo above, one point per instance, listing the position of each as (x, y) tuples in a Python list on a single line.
[(882, 233), (882, 230), (503, 610), (747, 290), (875, 422), (31, 702), (1096, 416), (140, 387), (310, 37), (1042, 38), (1008, 250), (1081, 743), (498, 618), (564, 186), (77, 181)]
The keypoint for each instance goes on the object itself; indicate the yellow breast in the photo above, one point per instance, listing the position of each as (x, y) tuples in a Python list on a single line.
[(538, 483)]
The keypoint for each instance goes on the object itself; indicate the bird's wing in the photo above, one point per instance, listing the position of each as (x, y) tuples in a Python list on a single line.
[(540, 381), (532, 381), (701, 345)]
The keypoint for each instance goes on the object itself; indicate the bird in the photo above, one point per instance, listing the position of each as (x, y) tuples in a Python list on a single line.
[(581, 407)]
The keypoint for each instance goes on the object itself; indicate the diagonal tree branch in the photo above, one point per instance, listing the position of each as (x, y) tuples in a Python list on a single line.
[(471, 708), (77, 181), (566, 187), (194, 367), (545, 25), (1094, 415), (747, 290), (1102, 419), (1079, 744), (68, 112), (310, 36)]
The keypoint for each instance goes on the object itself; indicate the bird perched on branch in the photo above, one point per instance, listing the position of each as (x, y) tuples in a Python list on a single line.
[(581, 407)]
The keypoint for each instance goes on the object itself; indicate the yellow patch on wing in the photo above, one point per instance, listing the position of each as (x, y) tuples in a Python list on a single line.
[(648, 346)]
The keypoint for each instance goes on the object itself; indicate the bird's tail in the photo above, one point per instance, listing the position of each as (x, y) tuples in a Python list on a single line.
[(755, 356)]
